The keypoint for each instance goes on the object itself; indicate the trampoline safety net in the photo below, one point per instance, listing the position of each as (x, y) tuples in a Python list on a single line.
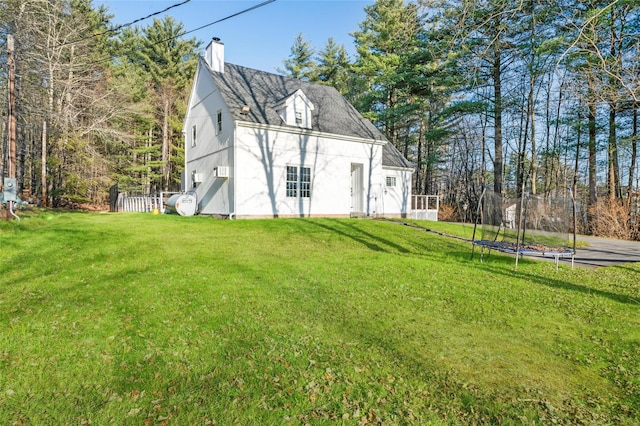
[(539, 225)]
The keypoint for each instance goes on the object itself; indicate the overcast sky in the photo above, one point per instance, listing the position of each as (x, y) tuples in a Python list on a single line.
[(261, 38)]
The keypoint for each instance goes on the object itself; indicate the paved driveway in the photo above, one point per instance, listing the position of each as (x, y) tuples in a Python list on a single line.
[(605, 252), (601, 251)]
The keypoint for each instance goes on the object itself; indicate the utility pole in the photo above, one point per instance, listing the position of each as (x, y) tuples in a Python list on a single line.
[(12, 107), (43, 172), (10, 184)]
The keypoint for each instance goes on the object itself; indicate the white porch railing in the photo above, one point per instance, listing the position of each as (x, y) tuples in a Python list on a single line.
[(425, 207)]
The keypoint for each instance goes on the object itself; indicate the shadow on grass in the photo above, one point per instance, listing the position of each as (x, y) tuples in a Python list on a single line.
[(50, 253), (98, 290), (628, 269), (371, 241), (560, 284), (426, 244)]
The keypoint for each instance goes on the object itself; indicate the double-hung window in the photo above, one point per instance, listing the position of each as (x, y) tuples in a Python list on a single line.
[(305, 182), (219, 122), (292, 181), (298, 182)]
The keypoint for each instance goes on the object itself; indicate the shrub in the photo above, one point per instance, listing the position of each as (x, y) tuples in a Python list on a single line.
[(448, 213), (613, 219)]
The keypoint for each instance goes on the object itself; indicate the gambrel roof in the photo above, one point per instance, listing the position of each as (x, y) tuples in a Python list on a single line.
[(262, 92)]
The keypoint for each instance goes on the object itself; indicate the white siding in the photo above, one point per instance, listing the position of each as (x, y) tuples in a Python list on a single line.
[(215, 195), (396, 199), (262, 158), (257, 157)]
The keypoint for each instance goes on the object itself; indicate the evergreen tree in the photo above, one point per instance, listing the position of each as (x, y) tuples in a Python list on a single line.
[(167, 63), (300, 64), (333, 66), (388, 33)]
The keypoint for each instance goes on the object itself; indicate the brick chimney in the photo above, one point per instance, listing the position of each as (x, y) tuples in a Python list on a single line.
[(214, 55)]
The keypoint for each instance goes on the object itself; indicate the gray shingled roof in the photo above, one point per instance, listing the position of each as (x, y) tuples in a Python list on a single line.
[(393, 158), (262, 91)]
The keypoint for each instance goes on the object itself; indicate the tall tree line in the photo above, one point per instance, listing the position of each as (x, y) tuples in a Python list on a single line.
[(538, 96), (94, 106)]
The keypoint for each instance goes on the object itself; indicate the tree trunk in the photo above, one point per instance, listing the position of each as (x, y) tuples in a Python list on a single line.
[(556, 131), (428, 175), (548, 162), (43, 166), (497, 94), (615, 190), (576, 165), (634, 152), (483, 160), (147, 159), (417, 183), (612, 160), (593, 196), (531, 102), (165, 145), (522, 148), (534, 151)]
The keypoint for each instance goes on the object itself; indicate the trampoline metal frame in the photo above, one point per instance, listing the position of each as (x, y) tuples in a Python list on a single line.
[(518, 251)]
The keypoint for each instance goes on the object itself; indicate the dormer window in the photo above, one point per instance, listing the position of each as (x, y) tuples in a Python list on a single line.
[(296, 110)]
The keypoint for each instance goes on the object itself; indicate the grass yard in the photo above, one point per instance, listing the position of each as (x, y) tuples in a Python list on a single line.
[(141, 319)]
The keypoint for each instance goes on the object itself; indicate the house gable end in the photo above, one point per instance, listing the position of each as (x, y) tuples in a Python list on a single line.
[(204, 89), (203, 86)]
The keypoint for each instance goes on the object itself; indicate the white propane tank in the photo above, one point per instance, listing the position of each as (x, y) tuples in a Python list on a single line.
[(183, 204)]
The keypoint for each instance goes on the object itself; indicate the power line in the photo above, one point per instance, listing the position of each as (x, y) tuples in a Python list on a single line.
[(264, 3), (249, 9), (111, 57), (128, 24)]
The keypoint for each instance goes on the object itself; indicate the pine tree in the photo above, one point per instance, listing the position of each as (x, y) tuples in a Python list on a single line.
[(388, 33), (333, 66), (300, 64), (167, 63)]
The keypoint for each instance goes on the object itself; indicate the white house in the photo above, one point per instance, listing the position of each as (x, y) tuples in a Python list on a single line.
[(262, 145)]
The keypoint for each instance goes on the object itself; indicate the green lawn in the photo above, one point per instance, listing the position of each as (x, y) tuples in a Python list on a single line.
[(144, 319)]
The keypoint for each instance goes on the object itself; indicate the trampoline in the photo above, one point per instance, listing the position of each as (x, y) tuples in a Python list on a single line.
[(532, 225)]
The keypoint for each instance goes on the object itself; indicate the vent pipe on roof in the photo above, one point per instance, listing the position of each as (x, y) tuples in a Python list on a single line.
[(214, 55)]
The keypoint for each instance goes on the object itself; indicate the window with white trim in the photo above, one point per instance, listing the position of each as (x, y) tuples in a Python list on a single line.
[(298, 182), (292, 181), (391, 181), (193, 135), (305, 182), (296, 110), (219, 122)]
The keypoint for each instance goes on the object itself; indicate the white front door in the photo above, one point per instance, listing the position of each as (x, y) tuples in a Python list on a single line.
[(357, 188)]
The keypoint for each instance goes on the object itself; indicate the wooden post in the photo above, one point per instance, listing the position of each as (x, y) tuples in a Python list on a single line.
[(11, 169), (43, 168)]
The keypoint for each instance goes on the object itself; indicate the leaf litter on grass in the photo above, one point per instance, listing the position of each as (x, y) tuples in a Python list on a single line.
[(378, 325)]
